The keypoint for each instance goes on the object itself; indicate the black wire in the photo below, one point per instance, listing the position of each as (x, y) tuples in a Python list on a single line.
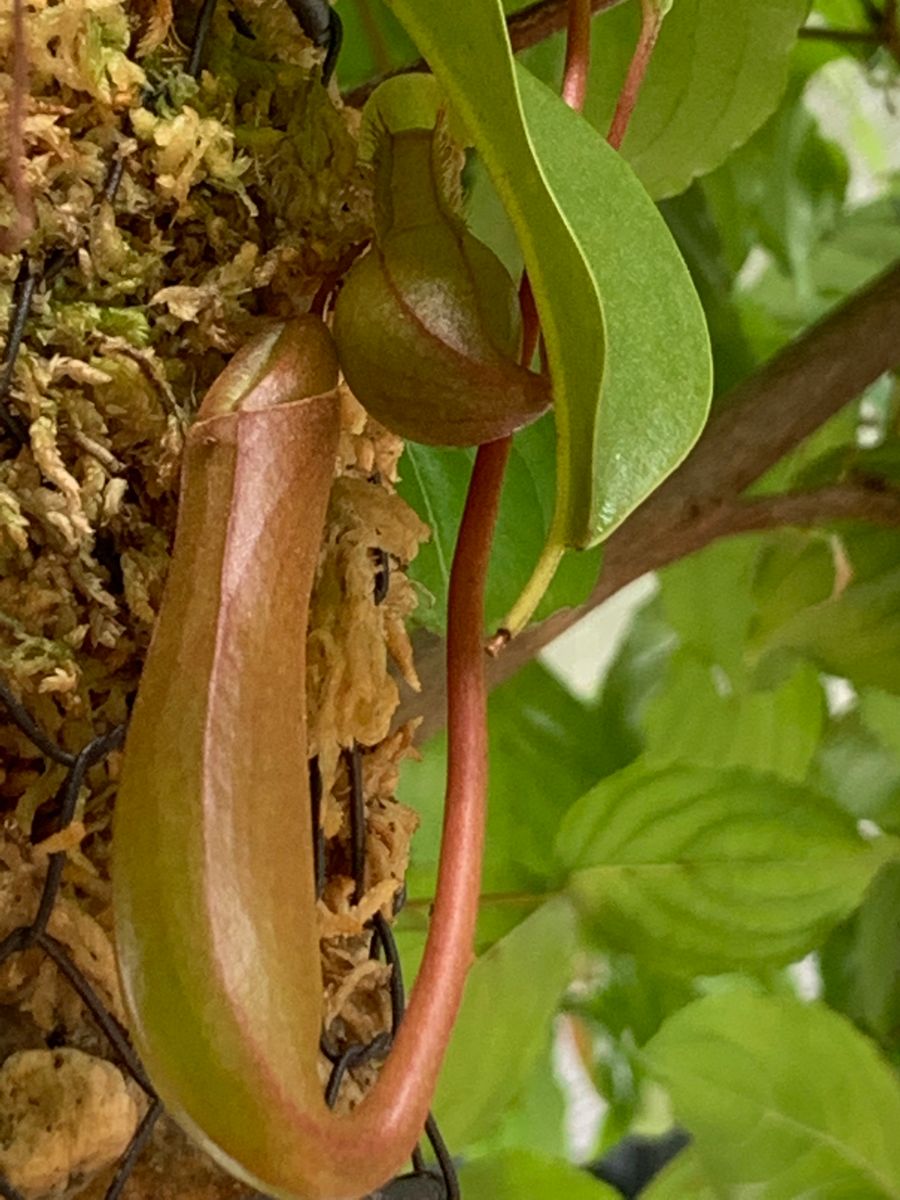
[(315, 796), (201, 33), (445, 1162), (23, 294), (323, 27), (116, 1035), (382, 575), (335, 41), (385, 936), (354, 1056), (135, 1146), (89, 757), (23, 718), (353, 759)]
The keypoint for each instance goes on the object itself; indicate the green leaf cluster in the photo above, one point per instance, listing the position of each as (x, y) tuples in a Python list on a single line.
[(675, 864)]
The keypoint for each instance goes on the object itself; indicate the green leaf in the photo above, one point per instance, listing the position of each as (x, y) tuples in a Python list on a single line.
[(708, 600), (634, 1000), (536, 1120), (703, 871), (374, 43), (700, 241), (683, 1179), (880, 713), (775, 731), (848, 628), (624, 331), (517, 1174), (878, 955), (434, 482), (544, 753), (865, 242), (633, 679), (859, 772), (504, 1024), (783, 1099), (717, 73), (784, 189)]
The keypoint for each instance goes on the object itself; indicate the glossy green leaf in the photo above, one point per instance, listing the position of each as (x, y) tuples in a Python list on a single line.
[(374, 43), (624, 331), (658, 372), (434, 481), (504, 1025), (690, 219), (517, 1174), (776, 731), (697, 870), (783, 1099)]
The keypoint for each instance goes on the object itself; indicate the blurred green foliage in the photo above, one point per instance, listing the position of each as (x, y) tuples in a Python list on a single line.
[(661, 855)]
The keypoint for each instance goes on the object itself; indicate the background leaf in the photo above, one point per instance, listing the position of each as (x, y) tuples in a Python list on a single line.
[(434, 481), (717, 73), (783, 1099), (683, 1179), (775, 730), (544, 753), (833, 602), (504, 1025), (517, 1174), (702, 871)]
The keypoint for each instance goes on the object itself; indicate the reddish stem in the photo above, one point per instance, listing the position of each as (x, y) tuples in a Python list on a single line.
[(578, 54), (651, 22), (452, 928)]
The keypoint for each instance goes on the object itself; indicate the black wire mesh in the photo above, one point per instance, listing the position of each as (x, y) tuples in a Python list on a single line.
[(423, 1182)]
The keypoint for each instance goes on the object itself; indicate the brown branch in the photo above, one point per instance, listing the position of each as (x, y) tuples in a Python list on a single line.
[(820, 33), (870, 502), (526, 28), (759, 422)]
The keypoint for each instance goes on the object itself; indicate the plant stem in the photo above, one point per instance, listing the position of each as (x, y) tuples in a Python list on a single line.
[(520, 899), (651, 23), (526, 28), (578, 54), (430, 1015), (820, 33)]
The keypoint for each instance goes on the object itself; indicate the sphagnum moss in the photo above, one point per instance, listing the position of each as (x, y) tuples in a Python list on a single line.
[(240, 195)]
